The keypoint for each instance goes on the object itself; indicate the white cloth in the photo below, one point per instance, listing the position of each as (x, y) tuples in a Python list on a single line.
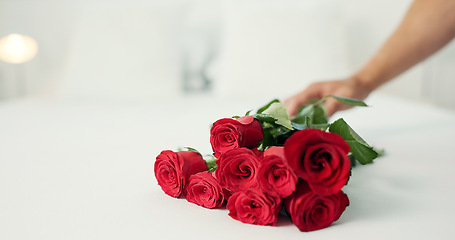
[(84, 170)]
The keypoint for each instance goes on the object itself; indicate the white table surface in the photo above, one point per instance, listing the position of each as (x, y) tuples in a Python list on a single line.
[(84, 170)]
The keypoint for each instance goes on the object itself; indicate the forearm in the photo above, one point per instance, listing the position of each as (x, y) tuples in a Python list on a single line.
[(426, 28)]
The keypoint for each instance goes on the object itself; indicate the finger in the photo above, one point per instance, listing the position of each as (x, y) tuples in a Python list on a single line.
[(294, 103), (332, 106), (292, 106)]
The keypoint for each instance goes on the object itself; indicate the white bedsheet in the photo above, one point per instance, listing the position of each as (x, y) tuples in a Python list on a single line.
[(84, 170)]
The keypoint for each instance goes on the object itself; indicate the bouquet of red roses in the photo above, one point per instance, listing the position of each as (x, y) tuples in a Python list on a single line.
[(266, 161)]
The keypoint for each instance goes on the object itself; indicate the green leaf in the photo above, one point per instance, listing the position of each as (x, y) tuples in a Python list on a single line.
[(311, 116), (264, 118), (310, 124), (278, 131), (210, 161), (316, 114), (268, 140), (274, 135), (262, 109), (278, 111), (363, 154), (349, 101), (319, 115), (305, 111), (344, 130), (298, 126), (360, 149)]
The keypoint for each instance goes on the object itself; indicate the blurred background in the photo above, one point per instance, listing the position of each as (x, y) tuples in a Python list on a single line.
[(146, 49)]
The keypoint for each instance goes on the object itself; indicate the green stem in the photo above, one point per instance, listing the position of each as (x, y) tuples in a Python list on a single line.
[(321, 101)]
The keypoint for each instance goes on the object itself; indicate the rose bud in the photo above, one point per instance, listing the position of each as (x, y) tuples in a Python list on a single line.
[(237, 169), (275, 176), (254, 207), (228, 133), (204, 190), (320, 158), (310, 211), (173, 170)]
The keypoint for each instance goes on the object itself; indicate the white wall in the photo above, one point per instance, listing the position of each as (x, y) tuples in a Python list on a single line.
[(369, 24), (271, 47), (50, 23), (99, 48), (439, 77)]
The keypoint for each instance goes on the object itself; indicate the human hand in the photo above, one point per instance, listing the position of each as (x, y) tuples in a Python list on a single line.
[(349, 88)]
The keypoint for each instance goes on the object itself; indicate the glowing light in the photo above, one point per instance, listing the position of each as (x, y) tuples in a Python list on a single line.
[(17, 48)]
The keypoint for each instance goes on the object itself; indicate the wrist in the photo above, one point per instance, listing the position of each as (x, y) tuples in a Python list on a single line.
[(364, 83)]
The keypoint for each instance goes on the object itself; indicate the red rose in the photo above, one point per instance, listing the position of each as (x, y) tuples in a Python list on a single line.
[(254, 207), (173, 170), (275, 175), (228, 133), (320, 158), (237, 169), (204, 190), (310, 211)]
